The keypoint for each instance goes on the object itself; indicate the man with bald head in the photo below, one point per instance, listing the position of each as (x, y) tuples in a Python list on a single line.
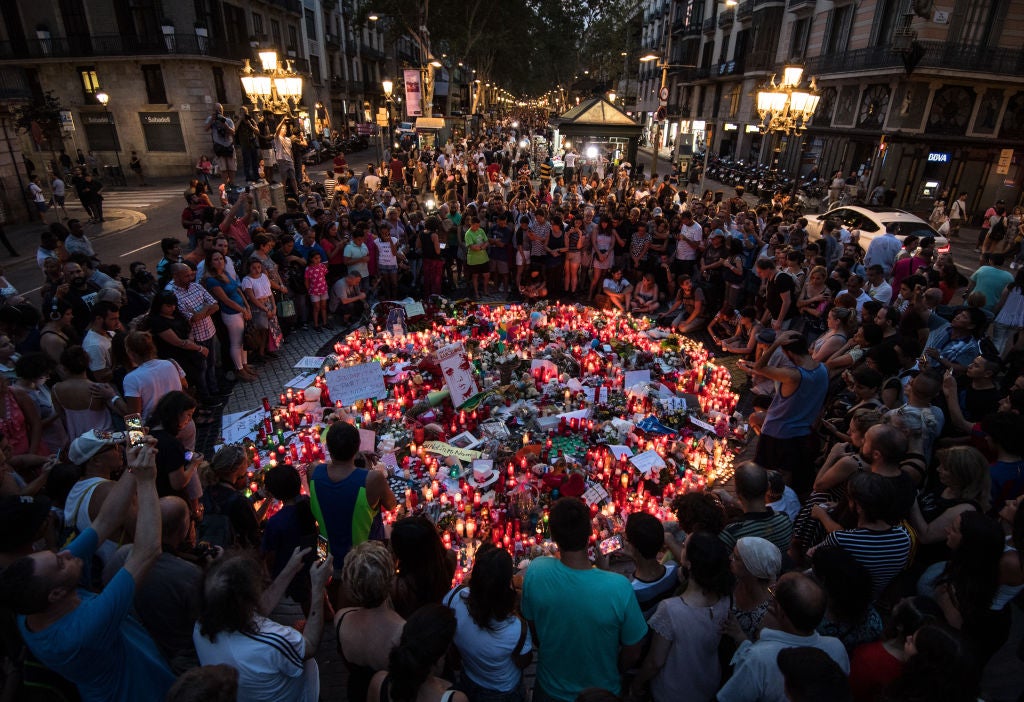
[(796, 609), (758, 519), (196, 304), (167, 600)]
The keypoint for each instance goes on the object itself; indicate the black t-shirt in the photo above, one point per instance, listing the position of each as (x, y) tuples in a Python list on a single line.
[(169, 458), (181, 328), (781, 283)]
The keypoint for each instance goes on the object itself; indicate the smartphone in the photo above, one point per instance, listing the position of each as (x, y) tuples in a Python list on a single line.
[(442, 245), (189, 456), (321, 548), (136, 432), (611, 545)]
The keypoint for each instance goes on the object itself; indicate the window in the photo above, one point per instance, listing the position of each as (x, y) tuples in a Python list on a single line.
[(258, 30), (314, 67), (709, 55), (798, 39), (275, 33), (979, 21), (153, 77), (310, 24), (837, 30), (90, 84), (716, 103), (218, 84), (293, 39)]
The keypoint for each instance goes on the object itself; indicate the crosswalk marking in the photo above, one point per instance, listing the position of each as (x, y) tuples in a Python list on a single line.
[(134, 199)]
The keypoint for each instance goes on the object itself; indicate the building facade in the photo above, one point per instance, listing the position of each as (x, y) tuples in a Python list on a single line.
[(925, 95), (163, 65)]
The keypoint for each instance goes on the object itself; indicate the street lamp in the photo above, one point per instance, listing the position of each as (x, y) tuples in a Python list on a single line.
[(611, 96), (389, 87), (783, 107), (272, 86), (103, 99), (662, 97)]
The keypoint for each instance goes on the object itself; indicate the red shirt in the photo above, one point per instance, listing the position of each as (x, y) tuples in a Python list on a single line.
[(396, 171), (872, 669)]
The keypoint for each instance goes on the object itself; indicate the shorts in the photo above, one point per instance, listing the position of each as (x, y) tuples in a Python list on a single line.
[(268, 157), (499, 266), (59, 199), (522, 259), (317, 298), (574, 257), (227, 163), (42, 206), (479, 268), (387, 269)]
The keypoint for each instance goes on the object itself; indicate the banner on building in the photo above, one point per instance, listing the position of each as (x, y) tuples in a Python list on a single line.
[(413, 93)]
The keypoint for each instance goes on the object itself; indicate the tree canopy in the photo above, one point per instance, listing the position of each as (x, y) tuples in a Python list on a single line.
[(526, 46)]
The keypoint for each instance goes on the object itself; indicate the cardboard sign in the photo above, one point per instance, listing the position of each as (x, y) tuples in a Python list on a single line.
[(458, 373), (309, 362), (353, 383), (443, 449)]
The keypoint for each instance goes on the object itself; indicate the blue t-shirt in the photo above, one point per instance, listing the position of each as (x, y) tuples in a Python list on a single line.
[(582, 618), (1007, 480), (98, 646), (304, 251), (232, 289)]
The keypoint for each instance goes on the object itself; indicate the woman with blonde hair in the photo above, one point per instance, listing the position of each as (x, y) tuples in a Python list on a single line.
[(964, 486), (370, 628)]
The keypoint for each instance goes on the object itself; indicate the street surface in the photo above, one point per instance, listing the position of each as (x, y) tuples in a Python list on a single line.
[(152, 213)]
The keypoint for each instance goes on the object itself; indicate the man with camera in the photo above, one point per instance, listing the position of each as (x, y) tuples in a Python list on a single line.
[(222, 129)]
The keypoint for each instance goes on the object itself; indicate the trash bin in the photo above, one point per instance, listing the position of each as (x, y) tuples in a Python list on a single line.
[(277, 196)]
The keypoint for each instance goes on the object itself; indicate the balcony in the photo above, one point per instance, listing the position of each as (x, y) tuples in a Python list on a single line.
[(99, 45), (353, 87), (745, 10), (726, 17), (350, 48), (937, 54), (758, 61), (372, 53), (758, 4), (372, 87), (333, 41), (293, 6), (793, 5), (709, 25)]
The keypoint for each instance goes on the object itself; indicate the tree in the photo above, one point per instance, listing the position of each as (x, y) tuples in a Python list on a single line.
[(40, 119)]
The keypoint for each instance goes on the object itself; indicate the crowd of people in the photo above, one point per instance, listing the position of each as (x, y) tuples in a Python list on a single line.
[(868, 551)]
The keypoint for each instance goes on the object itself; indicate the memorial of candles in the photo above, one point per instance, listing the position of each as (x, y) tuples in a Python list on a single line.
[(566, 401)]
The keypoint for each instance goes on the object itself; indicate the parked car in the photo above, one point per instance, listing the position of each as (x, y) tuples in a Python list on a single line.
[(873, 222)]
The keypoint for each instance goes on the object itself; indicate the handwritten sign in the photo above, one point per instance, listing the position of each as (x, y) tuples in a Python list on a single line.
[(700, 424), (647, 461), (592, 393), (619, 451), (673, 403), (353, 383), (310, 362), (240, 428), (457, 371), (595, 493), (633, 378), (413, 309), (301, 381), (367, 440), (443, 449)]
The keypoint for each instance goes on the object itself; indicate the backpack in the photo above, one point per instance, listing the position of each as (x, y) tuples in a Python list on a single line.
[(997, 232), (216, 528)]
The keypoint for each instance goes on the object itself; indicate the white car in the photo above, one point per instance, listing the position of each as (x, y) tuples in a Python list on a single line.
[(873, 222)]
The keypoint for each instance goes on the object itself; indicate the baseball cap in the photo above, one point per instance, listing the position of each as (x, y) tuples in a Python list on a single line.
[(89, 444), (20, 519)]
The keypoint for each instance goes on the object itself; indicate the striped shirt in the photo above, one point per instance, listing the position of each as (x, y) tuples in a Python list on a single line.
[(883, 553), (770, 525)]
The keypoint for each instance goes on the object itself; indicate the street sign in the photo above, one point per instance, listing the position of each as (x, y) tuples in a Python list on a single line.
[(1005, 160), (663, 94), (662, 112)]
